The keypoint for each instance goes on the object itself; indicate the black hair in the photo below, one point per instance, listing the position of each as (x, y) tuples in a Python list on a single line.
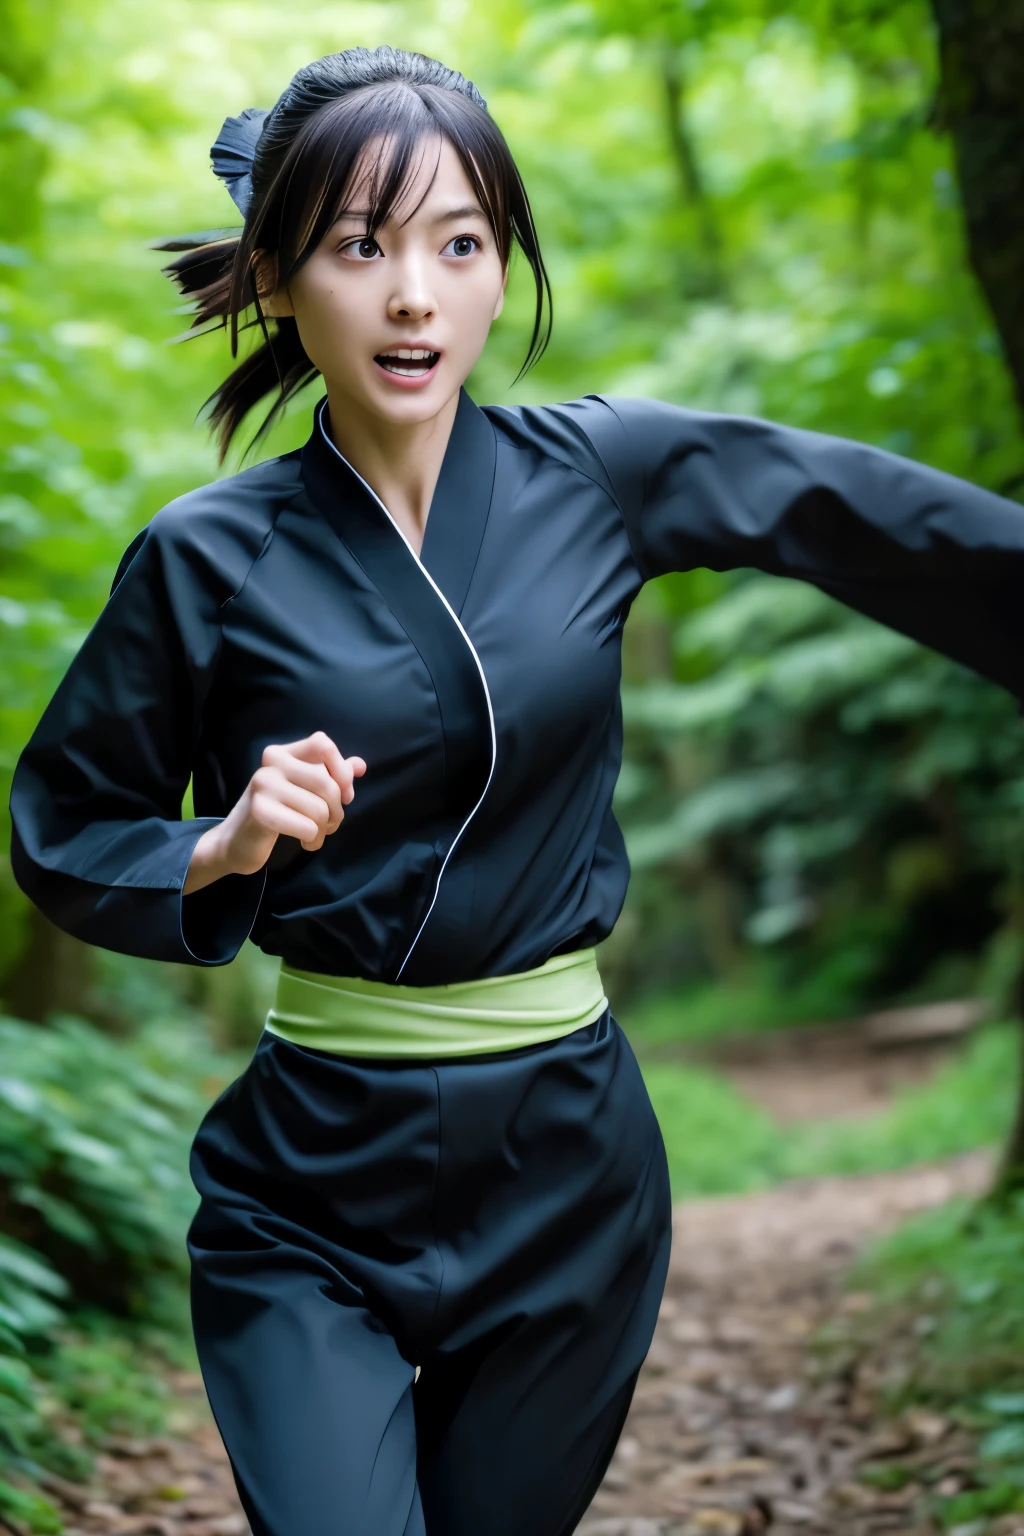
[(306, 153)]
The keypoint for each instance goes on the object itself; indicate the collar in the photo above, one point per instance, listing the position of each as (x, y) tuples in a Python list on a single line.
[(458, 511)]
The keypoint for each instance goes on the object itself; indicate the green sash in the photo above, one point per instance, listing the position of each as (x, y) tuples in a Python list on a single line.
[(465, 1018)]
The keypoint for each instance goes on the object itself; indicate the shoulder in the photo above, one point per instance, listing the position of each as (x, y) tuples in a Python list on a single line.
[(610, 438), (218, 529), (563, 429), (237, 507), (581, 435)]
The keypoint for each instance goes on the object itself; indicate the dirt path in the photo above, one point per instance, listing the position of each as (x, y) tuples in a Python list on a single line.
[(840, 1071), (733, 1430)]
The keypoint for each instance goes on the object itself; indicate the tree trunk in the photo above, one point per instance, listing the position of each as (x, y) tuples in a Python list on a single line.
[(691, 182), (1009, 1179), (981, 45), (53, 974), (981, 103)]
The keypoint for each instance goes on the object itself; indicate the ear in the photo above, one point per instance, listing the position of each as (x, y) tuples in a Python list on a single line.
[(274, 301)]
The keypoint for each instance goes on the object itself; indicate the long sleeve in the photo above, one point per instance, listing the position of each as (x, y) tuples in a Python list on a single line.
[(98, 841), (926, 553)]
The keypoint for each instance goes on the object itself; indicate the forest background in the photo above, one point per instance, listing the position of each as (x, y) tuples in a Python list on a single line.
[(745, 206)]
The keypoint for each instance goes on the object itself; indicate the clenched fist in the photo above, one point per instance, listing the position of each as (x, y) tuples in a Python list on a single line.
[(299, 790)]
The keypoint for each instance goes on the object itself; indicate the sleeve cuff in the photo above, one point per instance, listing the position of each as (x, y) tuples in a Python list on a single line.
[(216, 920)]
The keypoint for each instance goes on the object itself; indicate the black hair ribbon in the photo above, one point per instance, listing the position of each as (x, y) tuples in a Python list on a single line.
[(234, 151)]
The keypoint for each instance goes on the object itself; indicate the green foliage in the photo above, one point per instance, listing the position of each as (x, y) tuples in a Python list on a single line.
[(94, 1136), (858, 794), (114, 1382), (717, 1142), (720, 1143), (968, 1104), (758, 1001), (99, 1380), (961, 1269), (31, 1294)]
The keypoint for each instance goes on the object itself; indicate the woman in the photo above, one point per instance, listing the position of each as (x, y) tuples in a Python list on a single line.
[(434, 1218)]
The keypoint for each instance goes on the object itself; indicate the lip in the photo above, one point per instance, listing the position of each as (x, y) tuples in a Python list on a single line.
[(397, 379)]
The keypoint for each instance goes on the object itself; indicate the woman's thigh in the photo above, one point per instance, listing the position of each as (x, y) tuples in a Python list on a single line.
[(531, 1438), (314, 1178), (556, 1251), (312, 1399)]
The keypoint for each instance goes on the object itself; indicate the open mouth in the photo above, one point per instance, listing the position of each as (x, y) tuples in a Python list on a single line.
[(408, 362)]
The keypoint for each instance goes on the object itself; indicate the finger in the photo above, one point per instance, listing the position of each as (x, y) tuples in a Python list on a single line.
[(352, 768), (294, 821), (270, 813), (275, 783), (319, 748), (314, 777), (342, 769), (307, 803)]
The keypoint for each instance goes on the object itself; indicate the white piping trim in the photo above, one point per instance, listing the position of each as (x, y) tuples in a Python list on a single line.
[(479, 666)]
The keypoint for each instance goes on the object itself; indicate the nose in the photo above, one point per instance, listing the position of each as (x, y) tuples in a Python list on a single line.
[(412, 297)]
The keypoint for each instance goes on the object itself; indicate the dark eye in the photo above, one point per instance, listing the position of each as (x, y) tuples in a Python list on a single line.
[(462, 245), (362, 250)]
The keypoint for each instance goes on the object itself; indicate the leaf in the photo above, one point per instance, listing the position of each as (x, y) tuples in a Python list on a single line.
[(22, 1264), (1003, 1444)]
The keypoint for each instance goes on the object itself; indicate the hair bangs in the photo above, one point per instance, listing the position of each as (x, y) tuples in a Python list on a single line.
[(366, 143)]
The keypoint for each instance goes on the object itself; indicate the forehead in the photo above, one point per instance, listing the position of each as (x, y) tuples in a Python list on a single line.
[(435, 176)]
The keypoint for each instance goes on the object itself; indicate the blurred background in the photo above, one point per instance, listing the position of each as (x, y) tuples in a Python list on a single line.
[(809, 211)]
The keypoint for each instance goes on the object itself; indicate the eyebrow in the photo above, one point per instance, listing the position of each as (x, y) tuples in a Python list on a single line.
[(467, 211)]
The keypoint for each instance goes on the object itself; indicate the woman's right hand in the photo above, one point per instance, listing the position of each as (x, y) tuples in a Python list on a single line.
[(299, 790)]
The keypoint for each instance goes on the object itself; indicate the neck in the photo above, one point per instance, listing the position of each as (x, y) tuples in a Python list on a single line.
[(400, 462)]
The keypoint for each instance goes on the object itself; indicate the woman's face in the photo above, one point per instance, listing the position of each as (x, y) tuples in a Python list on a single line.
[(430, 280)]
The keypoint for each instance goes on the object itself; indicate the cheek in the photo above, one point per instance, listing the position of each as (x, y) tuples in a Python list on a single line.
[(471, 304), (329, 311)]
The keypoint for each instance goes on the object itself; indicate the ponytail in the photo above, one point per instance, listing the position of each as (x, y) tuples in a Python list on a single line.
[(207, 273), (280, 363)]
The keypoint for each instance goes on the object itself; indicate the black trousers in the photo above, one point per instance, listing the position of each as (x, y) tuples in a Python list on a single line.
[(501, 1222)]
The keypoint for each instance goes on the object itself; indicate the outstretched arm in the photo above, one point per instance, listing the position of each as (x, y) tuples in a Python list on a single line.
[(927, 554)]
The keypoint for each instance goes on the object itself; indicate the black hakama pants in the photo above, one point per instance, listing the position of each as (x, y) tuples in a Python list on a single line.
[(502, 1222)]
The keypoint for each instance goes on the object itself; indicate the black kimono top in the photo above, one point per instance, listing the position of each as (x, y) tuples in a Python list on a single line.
[(480, 681)]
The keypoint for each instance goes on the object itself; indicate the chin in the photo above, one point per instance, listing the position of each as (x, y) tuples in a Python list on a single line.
[(408, 407)]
